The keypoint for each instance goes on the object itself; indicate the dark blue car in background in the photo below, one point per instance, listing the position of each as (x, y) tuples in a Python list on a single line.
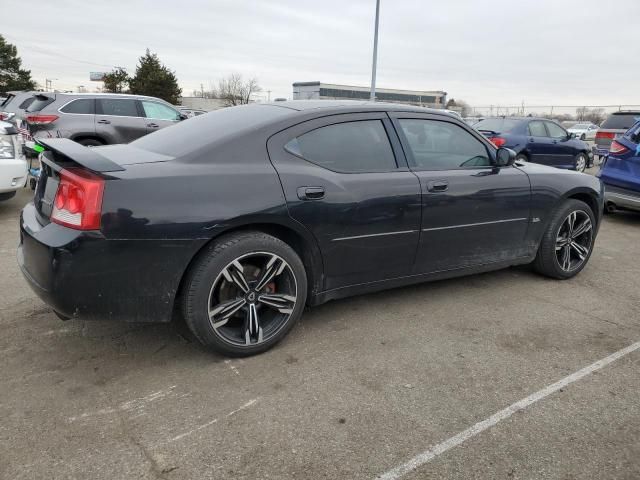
[(537, 140), (620, 172)]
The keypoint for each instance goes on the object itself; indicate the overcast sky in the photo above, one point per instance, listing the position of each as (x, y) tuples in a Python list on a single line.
[(487, 52)]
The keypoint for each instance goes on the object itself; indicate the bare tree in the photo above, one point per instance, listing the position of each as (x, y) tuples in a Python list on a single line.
[(594, 115), (234, 90)]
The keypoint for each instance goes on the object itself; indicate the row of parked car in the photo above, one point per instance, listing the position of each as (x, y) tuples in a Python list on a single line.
[(90, 119)]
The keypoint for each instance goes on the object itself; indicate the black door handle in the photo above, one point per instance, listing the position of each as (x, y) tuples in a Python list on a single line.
[(532, 140), (310, 193), (104, 122), (153, 125), (438, 186)]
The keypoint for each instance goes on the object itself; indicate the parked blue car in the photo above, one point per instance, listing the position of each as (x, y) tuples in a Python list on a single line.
[(537, 140), (620, 172)]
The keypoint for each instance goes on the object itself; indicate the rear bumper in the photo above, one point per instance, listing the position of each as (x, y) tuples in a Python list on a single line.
[(622, 197), (13, 174), (82, 274)]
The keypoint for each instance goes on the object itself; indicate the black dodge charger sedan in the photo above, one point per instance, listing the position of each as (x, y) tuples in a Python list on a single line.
[(240, 218)]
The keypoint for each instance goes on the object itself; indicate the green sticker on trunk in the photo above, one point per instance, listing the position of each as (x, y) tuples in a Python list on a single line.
[(38, 148)]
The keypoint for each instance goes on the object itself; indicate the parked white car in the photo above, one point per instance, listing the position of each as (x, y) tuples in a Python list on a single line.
[(584, 131), (13, 164)]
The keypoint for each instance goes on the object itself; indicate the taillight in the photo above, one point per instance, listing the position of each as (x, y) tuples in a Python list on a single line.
[(78, 201), (607, 135), (41, 119), (617, 148), (498, 141), (3, 116)]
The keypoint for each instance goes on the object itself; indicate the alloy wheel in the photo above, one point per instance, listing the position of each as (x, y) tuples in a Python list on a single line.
[(252, 298), (581, 163), (574, 240)]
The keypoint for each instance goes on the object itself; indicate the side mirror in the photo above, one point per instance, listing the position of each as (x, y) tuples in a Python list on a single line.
[(571, 135), (505, 157)]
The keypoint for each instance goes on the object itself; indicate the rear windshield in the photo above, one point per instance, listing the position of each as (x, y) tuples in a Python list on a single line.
[(7, 100), (39, 102), (197, 132), (24, 105), (497, 125), (621, 121)]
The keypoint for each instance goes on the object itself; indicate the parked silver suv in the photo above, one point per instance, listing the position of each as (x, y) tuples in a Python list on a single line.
[(94, 119)]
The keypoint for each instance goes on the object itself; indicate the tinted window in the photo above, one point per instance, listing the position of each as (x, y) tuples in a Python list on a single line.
[(84, 105), (497, 125), (7, 100), (159, 111), (443, 146), (39, 102), (536, 129), (555, 130), (621, 121), (119, 107), (25, 104), (347, 147)]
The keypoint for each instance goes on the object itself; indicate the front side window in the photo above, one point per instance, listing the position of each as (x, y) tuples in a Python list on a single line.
[(158, 111), (555, 130), (84, 106), (437, 145), (351, 147), (536, 129), (119, 107)]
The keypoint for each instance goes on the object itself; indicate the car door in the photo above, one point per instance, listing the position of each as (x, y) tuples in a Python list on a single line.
[(473, 213), (118, 120), (563, 148), (346, 180), (158, 115), (539, 144)]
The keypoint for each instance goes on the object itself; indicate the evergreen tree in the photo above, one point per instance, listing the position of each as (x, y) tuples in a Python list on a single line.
[(116, 81), (12, 76), (154, 79)]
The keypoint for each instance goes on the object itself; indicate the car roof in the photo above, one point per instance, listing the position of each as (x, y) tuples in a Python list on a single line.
[(347, 105), (89, 94), (519, 118)]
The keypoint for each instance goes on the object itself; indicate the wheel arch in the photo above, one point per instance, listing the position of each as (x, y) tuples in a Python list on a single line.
[(80, 137), (293, 235)]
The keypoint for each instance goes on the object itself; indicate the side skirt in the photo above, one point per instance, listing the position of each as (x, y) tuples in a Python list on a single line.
[(363, 288)]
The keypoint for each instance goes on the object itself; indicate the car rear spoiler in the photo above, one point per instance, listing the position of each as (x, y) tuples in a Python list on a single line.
[(85, 156)]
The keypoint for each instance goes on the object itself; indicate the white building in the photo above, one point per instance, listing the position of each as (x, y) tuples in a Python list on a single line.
[(330, 91)]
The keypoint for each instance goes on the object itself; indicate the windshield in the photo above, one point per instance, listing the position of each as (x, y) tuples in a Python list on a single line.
[(497, 124)]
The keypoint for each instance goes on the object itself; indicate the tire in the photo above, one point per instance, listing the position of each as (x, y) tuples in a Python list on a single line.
[(580, 162), (549, 260), (90, 142), (521, 157), (224, 305), (7, 196), (583, 137)]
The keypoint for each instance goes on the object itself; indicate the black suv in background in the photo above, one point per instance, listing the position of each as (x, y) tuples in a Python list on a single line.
[(94, 119)]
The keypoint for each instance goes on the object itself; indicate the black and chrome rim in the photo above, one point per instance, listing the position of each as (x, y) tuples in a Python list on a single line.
[(574, 240), (252, 298)]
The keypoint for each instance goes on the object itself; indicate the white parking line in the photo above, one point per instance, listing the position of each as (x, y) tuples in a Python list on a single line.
[(479, 427)]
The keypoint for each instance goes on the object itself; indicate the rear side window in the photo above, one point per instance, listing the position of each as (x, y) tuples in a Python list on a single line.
[(158, 111), (39, 102), (7, 100), (437, 145), (118, 107), (83, 106), (621, 121), (351, 147), (536, 129)]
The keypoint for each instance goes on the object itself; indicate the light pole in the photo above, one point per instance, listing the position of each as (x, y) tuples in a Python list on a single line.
[(375, 54)]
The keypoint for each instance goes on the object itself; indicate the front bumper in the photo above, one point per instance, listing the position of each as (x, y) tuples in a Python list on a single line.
[(82, 274)]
